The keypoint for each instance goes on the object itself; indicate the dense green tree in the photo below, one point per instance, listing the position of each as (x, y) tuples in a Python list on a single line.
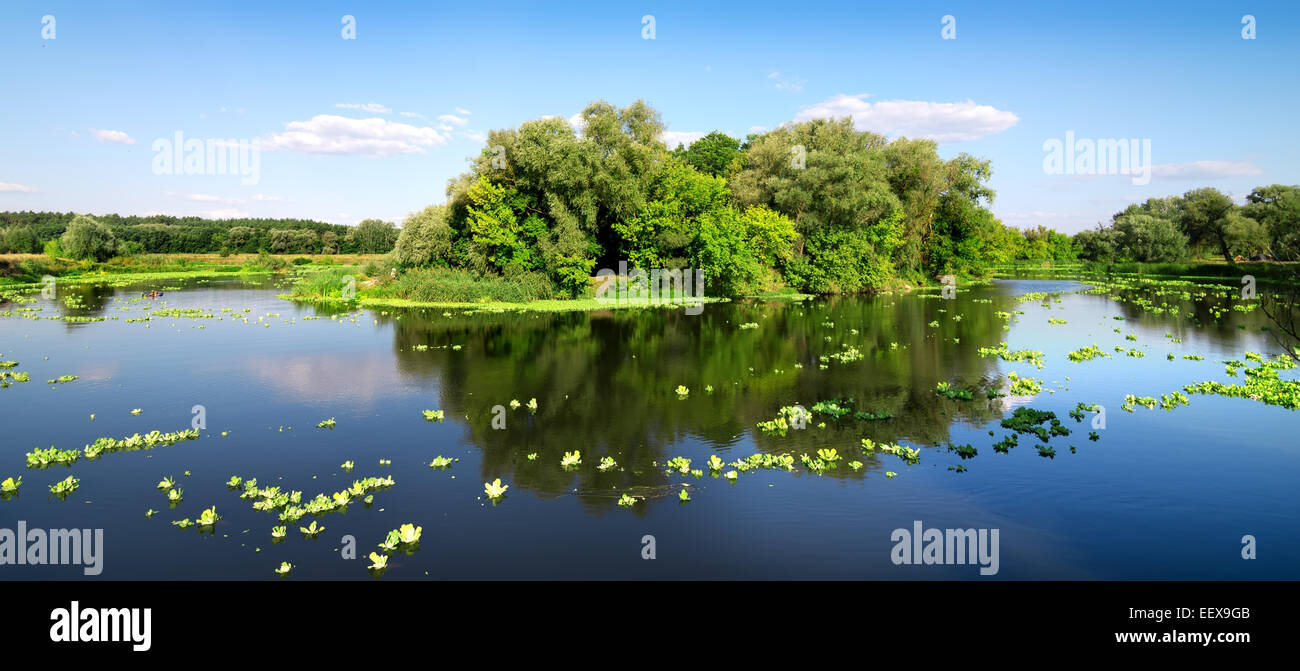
[(294, 241), (425, 239), (1204, 219), (1099, 244), (660, 233), (1277, 208), (712, 154), (19, 239), (1150, 239), (87, 238), (373, 236)]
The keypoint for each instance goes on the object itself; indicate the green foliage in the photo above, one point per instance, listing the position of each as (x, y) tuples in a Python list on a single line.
[(1149, 239), (840, 261), (372, 236), (445, 285), (425, 239), (87, 238), (712, 155)]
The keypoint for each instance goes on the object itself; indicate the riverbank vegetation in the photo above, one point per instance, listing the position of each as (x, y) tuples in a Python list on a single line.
[(809, 208)]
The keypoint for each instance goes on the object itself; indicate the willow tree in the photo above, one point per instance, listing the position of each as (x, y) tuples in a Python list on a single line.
[(86, 238)]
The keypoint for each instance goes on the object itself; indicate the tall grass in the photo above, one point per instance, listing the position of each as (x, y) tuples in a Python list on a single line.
[(443, 285)]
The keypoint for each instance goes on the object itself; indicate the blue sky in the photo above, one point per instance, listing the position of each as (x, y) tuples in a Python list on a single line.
[(375, 126)]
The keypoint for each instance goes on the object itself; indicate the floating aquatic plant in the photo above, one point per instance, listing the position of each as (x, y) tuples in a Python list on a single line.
[(964, 451), (174, 495), (1130, 401), (1024, 386), (626, 500), (137, 411), (208, 517), (832, 408), (39, 458), (682, 391), (1262, 382), (1087, 353), (948, 390), (233, 482), (495, 489), (326, 424), (409, 534), (65, 486), (890, 474), (284, 569), (532, 405), (715, 464), (571, 459), (311, 529), (828, 455), (1003, 352), (433, 415), (11, 485), (278, 532), (348, 465), (440, 462), (683, 496), (607, 463), (378, 562)]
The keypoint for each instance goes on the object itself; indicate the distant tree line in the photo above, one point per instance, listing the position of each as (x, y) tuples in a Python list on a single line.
[(32, 232), (1201, 223)]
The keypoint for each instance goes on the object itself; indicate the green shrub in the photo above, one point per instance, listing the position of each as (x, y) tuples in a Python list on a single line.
[(443, 285)]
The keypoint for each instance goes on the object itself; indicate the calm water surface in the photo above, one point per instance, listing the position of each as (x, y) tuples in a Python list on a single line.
[(1161, 494)]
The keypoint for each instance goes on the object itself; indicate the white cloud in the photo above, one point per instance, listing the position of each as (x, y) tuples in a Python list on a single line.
[(329, 134), (8, 187), (673, 138), (462, 111), (371, 108), (112, 136), (265, 198), (941, 122), (475, 136), (412, 115), (792, 84), (452, 119), (757, 129), (577, 122), (1206, 170)]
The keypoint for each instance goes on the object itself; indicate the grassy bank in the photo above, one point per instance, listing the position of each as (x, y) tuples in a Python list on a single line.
[(445, 288), (27, 270), (1287, 272)]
